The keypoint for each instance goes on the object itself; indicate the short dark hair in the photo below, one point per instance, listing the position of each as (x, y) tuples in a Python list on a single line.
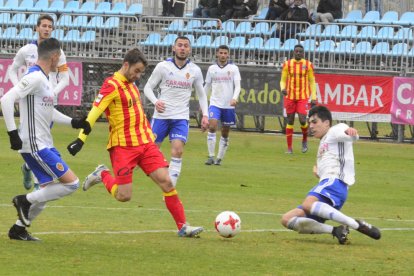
[(182, 37), (135, 56), (223, 47), (322, 112), (43, 17), (47, 47), (298, 46)]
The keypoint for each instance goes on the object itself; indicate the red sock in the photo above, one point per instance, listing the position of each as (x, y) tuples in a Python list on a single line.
[(175, 207), (289, 136), (109, 182), (304, 132)]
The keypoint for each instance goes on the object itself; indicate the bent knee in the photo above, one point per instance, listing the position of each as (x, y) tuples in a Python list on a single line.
[(123, 198), (285, 219)]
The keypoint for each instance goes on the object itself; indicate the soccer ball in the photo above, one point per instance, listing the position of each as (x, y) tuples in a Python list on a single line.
[(228, 224)]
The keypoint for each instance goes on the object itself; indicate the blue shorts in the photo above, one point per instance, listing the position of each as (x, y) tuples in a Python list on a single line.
[(227, 116), (331, 191), (177, 129), (46, 164)]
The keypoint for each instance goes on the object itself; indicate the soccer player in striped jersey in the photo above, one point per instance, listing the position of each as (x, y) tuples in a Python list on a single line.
[(223, 79), (298, 85), (58, 77), (34, 140), (175, 77), (336, 173), (131, 141)]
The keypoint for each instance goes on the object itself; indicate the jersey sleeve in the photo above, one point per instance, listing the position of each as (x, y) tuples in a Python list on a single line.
[(152, 82), (28, 84), (312, 84), (284, 76), (340, 135), (106, 94), (62, 65), (18, 61), (237, 76)]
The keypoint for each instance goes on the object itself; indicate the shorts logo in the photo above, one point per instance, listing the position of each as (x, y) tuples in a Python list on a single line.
[(60, 167), (123, 172)]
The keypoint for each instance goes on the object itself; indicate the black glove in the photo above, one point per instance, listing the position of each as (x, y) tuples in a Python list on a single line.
[(75, 146), (81, 123), (15, 141)]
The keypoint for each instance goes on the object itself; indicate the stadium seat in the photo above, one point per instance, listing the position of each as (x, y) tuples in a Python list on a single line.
[(344, 47), (330, 31), (326, 46), (411, 52), (175, 26), (244, 27), (134, 10), (40, 6), (403, 34), (4, 18), (9, 33), (254, 43), (71, 6), (289, 44), (58, 34), (348, 32), (390, 17), (262, 14), (351, 17), (25, 5), (220, 40), (168, 40), (406, 19), (384, 34), (72, 36), (203, 42), (369, 18), (261, 28), (32, 20), (152, 40), (18, 19), (64, 20), (313, 30), (87, 7), (399, 50), (103, 7), (367, 33), (309, 45), (111, 23), (55, 6), (192, 25), (228, 27), (362, 48), (10, 5), (96, 22), (381, 49), (88, 37), (119, 8), (191, 38), (25, 35), (80, 21), (272, 44), (237, 43)]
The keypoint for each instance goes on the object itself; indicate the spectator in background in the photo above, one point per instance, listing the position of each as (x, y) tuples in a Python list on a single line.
[(244, 8), (206, 9), (224, 11), (297, 12), (373, 5), (276, 8), (328, 11), (167, 8)]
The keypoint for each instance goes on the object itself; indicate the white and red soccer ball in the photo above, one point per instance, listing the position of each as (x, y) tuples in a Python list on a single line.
[(228, 224)]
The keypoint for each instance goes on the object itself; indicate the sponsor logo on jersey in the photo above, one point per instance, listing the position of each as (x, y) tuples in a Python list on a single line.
[(98, 98), (23, 84)]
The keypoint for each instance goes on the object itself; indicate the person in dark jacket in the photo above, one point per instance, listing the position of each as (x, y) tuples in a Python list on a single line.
[(297, 12), (224, 11), (205, 9), (244, 8), (276, 8), (328, 11)]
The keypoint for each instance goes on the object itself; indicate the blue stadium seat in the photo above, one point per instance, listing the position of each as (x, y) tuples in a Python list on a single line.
[(399, 50), (191, 38), (4, 18), (362, 48), (289, 44), (390, 17), (330, 31), (96, 22), (41, 5), (134, 10), (10, 5), (369, 18), (261, 28), (32, 20), (25, 35), (88, 37), (119, 8), (255, 43), (384, 34), (271, 30), (175, 26), (411, 52), (381, 49), (351, 17), (406, 19), (262, 14), (349, 32), (326, 46), (25, 5), (80, 21), (203, 42), (18, 19), (227, 27), (111, 23), (58, 34), (366, 33), (219, 40), (9, 33), (152, 40), (55, 6), (72, 36), (87, 7), (344, 47), (237, 43), (103, 7), (311, 31), (244, 27), (403, 34), (71, 6), (309, 45), (168, 40), (192, 25), (64, 20), (272, 44)]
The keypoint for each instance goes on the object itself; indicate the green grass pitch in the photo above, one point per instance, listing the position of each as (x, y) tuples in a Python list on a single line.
[(90, 233)]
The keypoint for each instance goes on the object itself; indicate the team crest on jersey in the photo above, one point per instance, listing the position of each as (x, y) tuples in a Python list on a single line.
[(187, 76), (98, 98), (304, 67), (23, 84), (60, 167)]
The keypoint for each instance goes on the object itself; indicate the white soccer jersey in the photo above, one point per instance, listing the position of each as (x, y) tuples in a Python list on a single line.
[(222, 80), (36, 110), (335, 155), (175, 88)]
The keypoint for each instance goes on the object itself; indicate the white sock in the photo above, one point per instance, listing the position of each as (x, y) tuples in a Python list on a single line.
[(175, 169), (304, 225), (223, 145), (52, 191), (325, 211), (211, 144), (36, 209)]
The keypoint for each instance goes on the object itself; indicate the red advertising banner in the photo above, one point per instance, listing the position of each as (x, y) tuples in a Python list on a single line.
[(70, 95), (402, 109), (356, 98)]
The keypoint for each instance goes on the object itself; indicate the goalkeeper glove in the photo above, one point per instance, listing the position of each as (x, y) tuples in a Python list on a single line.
[(81, 123), (75, 146), (15, 141)]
